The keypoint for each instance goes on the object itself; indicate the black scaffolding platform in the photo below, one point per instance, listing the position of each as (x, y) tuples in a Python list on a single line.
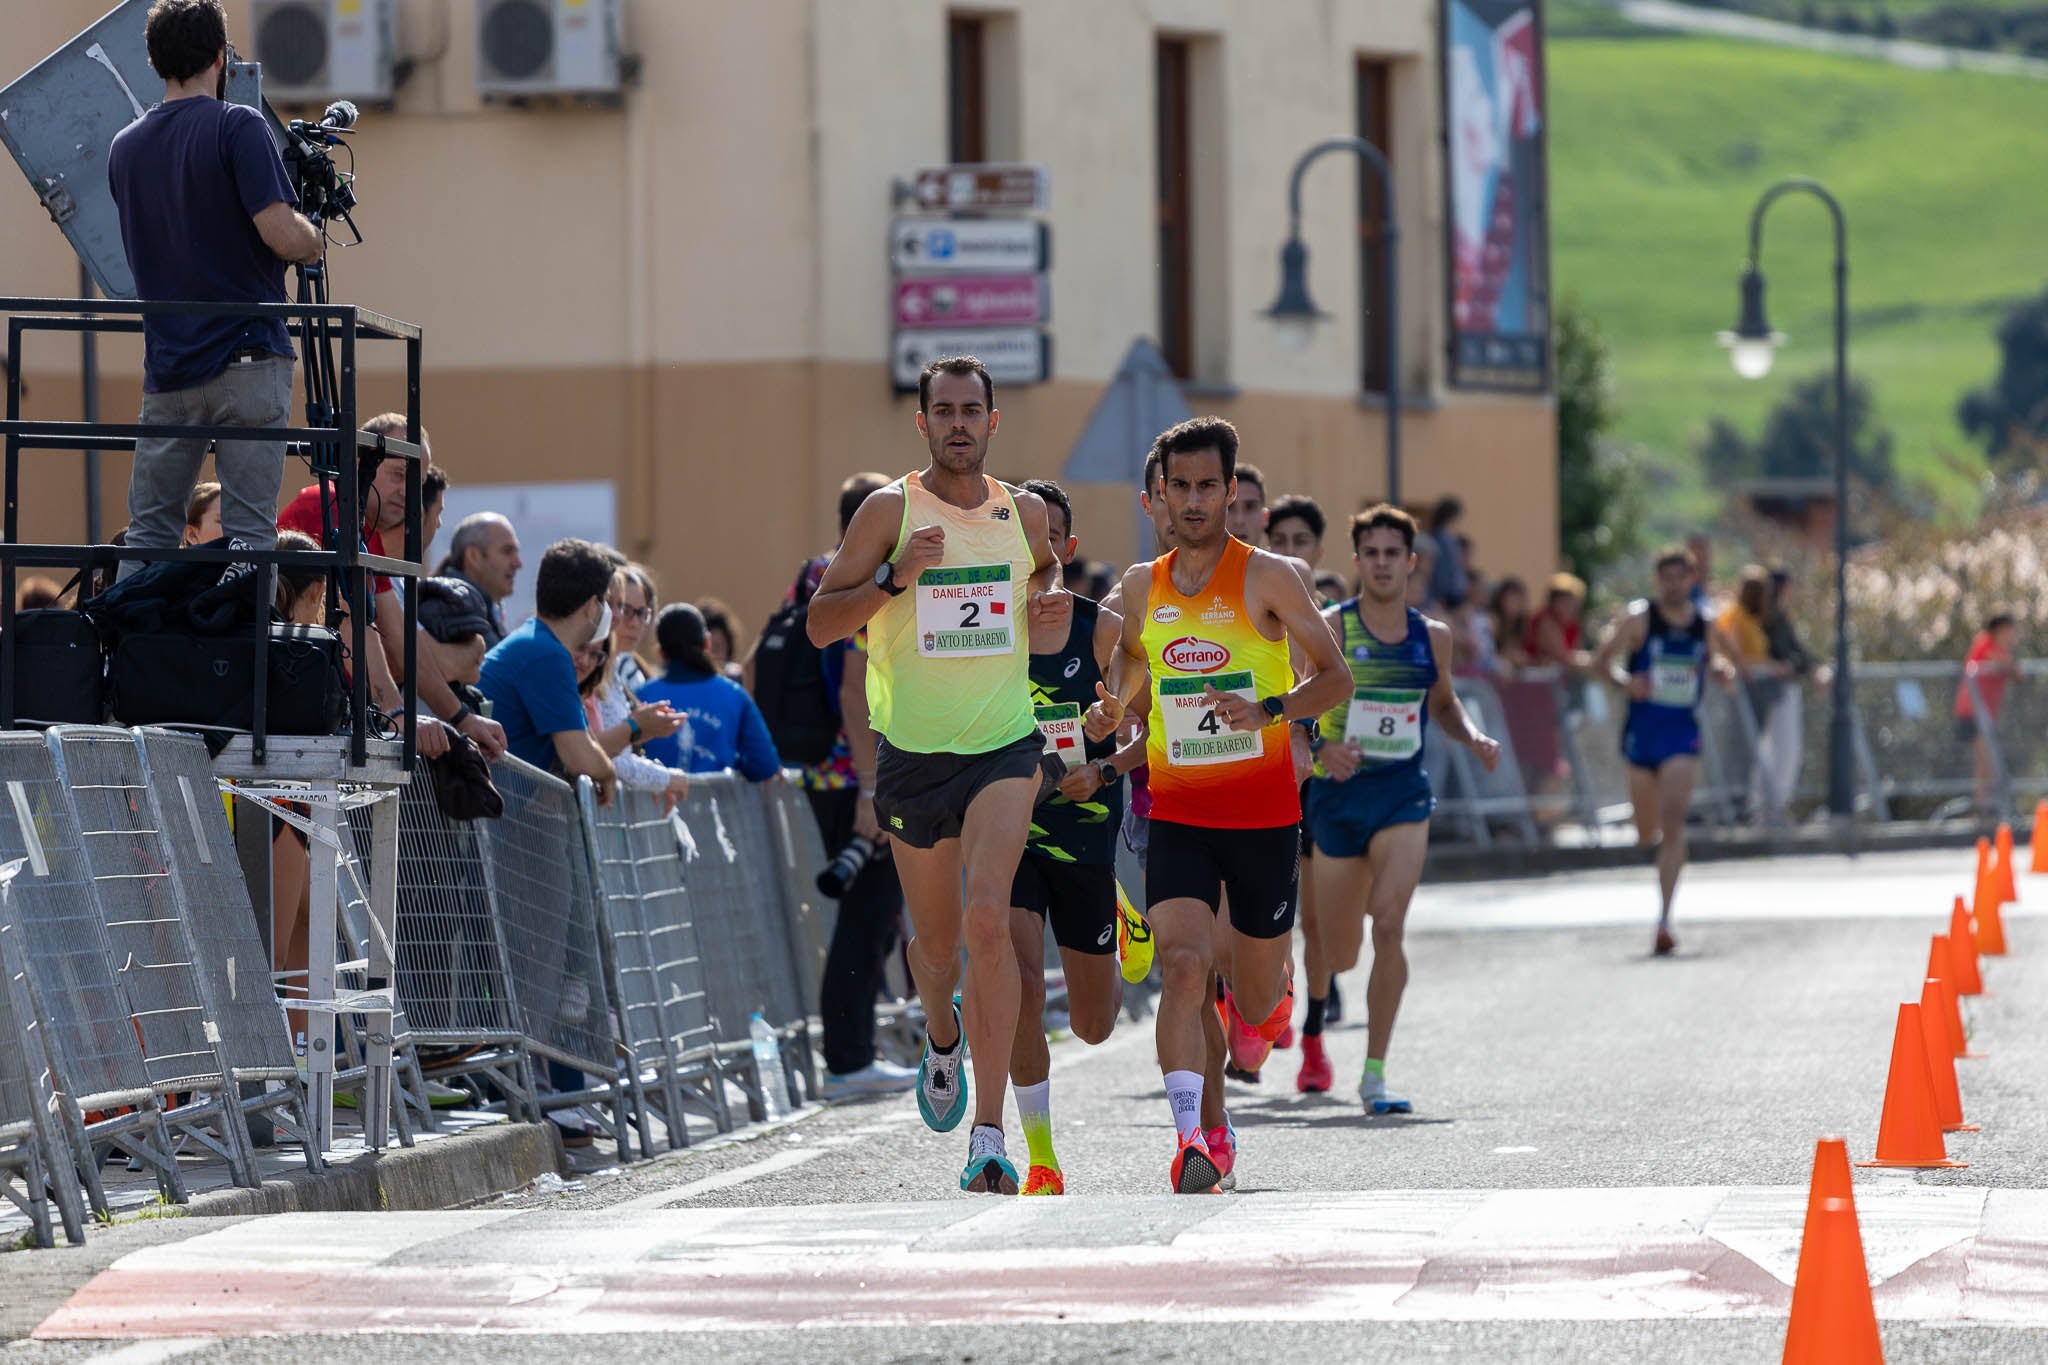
[(327, 334)]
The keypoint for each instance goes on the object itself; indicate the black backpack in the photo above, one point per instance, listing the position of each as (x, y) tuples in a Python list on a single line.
[(797, 699)]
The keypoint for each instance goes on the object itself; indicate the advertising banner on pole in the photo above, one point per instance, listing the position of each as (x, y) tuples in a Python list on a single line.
[(1498, 219)]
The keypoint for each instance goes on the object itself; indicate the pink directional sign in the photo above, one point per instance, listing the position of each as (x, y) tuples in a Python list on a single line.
[(972, 301)]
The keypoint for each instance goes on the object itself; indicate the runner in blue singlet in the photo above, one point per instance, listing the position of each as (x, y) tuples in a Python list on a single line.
[(1669, 646)]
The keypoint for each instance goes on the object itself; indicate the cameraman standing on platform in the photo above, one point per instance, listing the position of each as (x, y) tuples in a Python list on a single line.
[(207, 216)]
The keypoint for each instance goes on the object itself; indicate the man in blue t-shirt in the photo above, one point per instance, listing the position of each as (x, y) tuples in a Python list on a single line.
[(207, 215), (530, 675)]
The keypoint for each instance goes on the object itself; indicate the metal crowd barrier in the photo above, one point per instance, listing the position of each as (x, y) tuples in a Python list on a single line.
[(29, 1149)]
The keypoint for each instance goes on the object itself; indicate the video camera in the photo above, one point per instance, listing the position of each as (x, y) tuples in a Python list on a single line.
[(326, 192)]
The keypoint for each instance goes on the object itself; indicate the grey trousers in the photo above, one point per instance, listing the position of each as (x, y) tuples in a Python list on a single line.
[(248, 393)]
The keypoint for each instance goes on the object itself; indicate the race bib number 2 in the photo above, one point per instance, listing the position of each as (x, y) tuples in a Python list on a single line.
[(1386, 725), (1061, 726), (964, 611), (1195, 734)]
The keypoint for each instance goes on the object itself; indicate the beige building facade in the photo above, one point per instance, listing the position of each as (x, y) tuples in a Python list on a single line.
[(687, 292)]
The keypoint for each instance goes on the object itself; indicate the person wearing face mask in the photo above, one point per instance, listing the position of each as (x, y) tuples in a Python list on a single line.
[(530, 676), (207, 214)]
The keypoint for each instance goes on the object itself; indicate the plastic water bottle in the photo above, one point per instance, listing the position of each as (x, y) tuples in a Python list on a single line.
[(768, 1067)]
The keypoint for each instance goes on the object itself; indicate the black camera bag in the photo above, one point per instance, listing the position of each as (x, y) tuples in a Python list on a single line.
[(206, 680), (60, 668)]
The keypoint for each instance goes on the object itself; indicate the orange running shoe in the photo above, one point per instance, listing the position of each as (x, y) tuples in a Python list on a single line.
[(1043, 1180), (1248, 1049), (1222, 1141), (1194, 1168)]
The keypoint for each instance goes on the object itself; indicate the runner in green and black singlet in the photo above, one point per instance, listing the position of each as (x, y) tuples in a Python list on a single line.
[(1067, 876)]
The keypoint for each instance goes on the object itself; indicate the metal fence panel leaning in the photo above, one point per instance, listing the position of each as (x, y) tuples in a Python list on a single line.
[(29, 1151), (644, 1015), (87, 1028), (538, 868), (219, 920), (802, 857), (148, 950)]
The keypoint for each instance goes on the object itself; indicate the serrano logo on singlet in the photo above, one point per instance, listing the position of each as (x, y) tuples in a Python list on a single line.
[(1190, 655), (1166, 615)]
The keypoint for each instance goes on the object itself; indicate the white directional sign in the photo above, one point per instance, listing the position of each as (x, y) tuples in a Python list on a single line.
[(983, 246), (1013, 355), (980, 187)]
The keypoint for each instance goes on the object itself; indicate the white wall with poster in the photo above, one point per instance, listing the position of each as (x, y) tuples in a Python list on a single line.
[(542, 513)]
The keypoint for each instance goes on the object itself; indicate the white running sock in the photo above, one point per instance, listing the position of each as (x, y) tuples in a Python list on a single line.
[(1184, 1093)]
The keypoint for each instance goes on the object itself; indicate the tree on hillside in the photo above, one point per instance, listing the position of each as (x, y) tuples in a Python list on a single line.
[(2009, 417), (1599, 489), (1798, 440)]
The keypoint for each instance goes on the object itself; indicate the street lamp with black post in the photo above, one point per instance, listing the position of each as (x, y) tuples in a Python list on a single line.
[(1296, 314), (1752, 346)]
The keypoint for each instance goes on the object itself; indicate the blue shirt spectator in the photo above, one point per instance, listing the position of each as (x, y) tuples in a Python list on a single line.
[(726, 728), (531, 681)]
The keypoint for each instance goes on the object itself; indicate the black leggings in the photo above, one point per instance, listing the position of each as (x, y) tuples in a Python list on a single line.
[(862, 937)]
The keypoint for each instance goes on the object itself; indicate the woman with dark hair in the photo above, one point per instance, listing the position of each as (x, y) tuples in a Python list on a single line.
[(722, 637), (1507, 619), (726, 729)]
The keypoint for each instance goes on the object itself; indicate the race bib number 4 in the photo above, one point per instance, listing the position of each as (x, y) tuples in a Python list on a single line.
[(1386, 725), (964, 611), (1061, 726), (1195, 734)]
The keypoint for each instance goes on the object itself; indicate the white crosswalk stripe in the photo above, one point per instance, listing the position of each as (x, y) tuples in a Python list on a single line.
[(1936, 1254)]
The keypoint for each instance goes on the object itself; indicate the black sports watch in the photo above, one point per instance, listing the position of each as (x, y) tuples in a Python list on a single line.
[(1105, 770), (885, 578), (1276, 709)]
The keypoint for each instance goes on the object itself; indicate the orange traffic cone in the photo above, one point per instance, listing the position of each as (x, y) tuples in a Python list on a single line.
[(1948, 1096), (1833, 1321), (2039, 839), (2008, 890), (1990, 925), (1909, 1134), (1962, 950), (1951, 1007)]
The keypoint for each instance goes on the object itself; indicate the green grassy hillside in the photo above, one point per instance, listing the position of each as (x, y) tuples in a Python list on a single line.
[(1661, 145)]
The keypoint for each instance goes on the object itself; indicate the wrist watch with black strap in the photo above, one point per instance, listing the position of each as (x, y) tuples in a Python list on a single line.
[(885, 578), (1275, 709), (1105, 771)]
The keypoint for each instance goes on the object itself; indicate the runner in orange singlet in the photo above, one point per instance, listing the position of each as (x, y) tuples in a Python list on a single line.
[(1212, 642)]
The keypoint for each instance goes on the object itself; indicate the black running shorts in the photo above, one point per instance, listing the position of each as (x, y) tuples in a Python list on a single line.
[(1079, 899), (922, 798), (1260, 868)]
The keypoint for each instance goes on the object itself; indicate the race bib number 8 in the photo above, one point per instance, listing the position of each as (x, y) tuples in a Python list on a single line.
[(1061, 725), (1195, 734), (1386, 725), (964, 611)]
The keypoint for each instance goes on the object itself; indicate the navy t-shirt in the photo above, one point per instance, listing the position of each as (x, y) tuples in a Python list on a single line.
[(189, 177), (530, 678)]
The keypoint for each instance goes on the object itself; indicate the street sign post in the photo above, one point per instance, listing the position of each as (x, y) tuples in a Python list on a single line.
[(973, 301), (980, 246), (1013, 355), (1013, 188)]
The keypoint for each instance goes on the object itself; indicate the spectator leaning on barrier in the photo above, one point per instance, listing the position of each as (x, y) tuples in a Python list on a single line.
[(484, 551), (1989, 665), (202, 514), (530, 677), (633, 605), (726, 729), (1782, 730), (1507, 618), (621, 723), (207, 215), (1555, 628)]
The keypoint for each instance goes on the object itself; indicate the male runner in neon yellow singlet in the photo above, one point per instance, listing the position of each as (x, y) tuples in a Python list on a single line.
[(949, 570), (1207, 631)]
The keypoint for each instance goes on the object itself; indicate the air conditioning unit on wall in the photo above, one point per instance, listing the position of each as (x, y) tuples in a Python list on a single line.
[(547, 47), (316, 50)]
